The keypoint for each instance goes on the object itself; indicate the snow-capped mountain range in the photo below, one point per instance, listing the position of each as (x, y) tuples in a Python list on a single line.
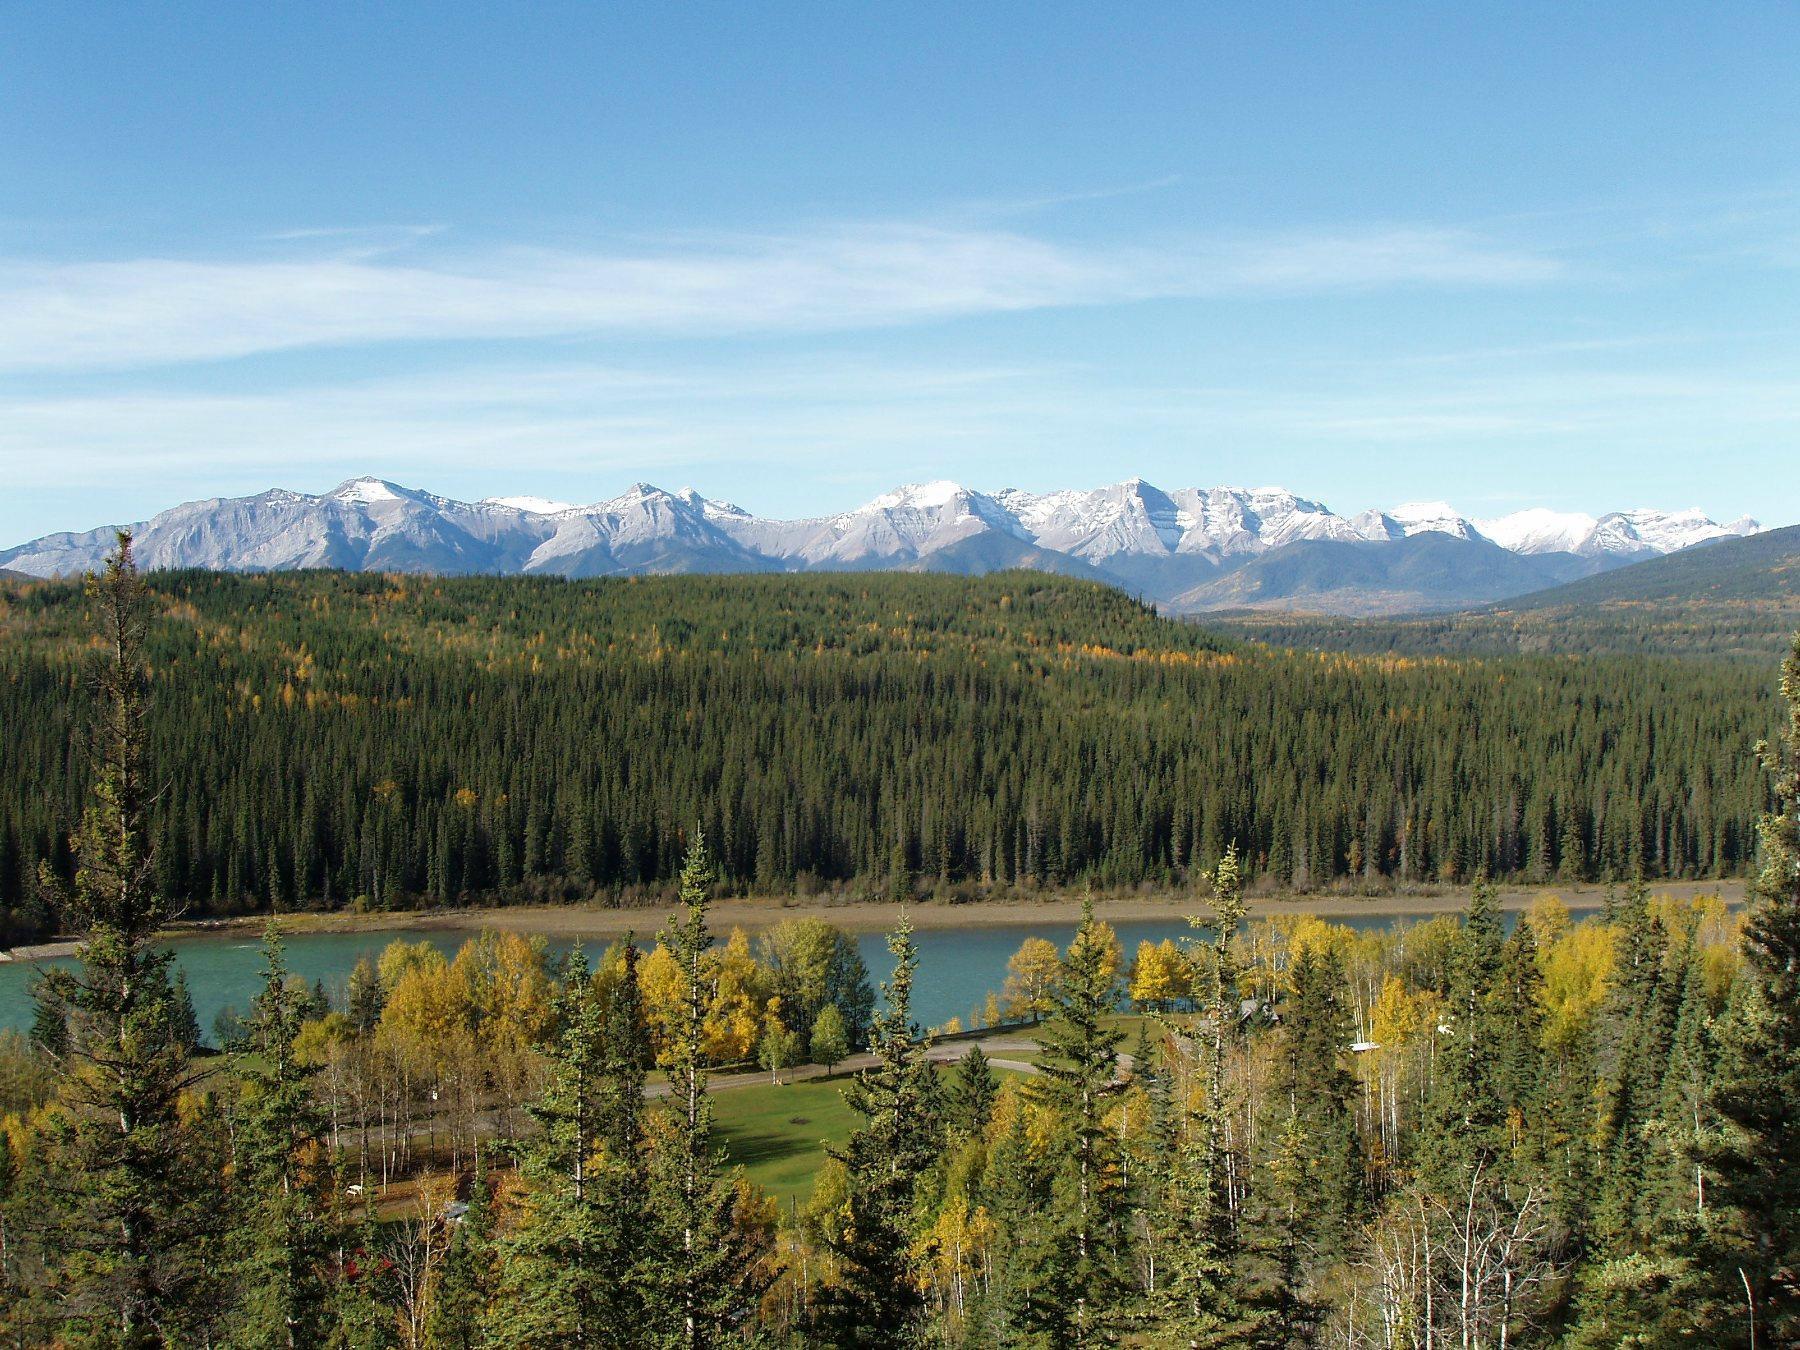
[(1175, 546)]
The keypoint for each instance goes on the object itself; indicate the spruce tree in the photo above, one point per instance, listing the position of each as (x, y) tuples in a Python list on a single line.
[(1634, 1056), (1465, 1124), (282, 1177), (1077, 1082), (1656, 1287), (558, 1275), (1685, 1118), (1194, 1230), (49, 1022), (970, 1099), (186, 1022), (624, 1176), (1518, 1033), (1758, 1083), (877, 1300), (1152, 1151), (1307, 1195), (704, 1277), (129, 1213)]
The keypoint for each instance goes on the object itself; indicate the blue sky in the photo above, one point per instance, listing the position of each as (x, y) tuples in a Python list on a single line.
[(796, 254)]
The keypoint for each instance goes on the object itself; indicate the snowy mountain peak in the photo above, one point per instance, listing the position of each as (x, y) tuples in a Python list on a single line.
[(638, 492), (368, 491), (1540, 530), (1433, 518), (930, 496), (1376, 527)]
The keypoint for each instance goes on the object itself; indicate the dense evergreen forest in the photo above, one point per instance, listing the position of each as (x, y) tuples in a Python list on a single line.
[(1570, 1135), (1716, 630), (328, 739)]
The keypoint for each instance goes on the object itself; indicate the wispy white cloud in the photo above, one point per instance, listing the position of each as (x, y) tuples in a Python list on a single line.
[(159, 311), (569, 419), (809, 423), (1025, 206), (388, 232)]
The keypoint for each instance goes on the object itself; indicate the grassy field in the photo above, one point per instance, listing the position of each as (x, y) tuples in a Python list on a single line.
[(779, 1134)]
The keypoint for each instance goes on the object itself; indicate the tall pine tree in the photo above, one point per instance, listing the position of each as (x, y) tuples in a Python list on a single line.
[(131, 1205), (283, 1176), (1759, 1060), (560, 1281), (877, 1300), (1307, 1194), (1195, 1231), (704, 1277), (1077, 1082)]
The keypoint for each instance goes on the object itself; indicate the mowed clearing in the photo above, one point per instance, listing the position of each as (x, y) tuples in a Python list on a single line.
[(779, 1134)]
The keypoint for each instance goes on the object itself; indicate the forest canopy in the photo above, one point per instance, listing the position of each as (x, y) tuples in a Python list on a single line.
[(330, 738)]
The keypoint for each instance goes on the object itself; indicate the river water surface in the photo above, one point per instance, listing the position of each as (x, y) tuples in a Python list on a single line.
[(957, 967)]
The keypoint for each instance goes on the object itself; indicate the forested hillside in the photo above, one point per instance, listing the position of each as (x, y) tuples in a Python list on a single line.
[(1736, 631), (1762, 567), (1736, 599), (328, 737)]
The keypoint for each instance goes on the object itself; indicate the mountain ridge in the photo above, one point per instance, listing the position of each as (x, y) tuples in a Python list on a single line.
[(1763, 567), (1178, 547)]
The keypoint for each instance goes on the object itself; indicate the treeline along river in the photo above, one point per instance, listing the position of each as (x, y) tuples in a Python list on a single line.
[(958, 967)]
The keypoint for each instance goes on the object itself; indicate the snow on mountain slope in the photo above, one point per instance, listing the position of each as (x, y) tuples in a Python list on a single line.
[(643, 529), (1128, 517), (1662, 531), (1238, 520), (369, 491), (1410, 518), (1623, 533), (1540, 530), (1433, 518), (537, 506), (908, 523), (1135, 518)]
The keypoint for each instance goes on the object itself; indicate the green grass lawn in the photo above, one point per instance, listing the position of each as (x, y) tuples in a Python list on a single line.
[(779, 1133)]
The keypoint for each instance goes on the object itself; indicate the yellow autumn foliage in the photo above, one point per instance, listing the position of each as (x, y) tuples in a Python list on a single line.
[(1161, 975), (1031, 973), (737, 995), (1578, 970), (507, 980)]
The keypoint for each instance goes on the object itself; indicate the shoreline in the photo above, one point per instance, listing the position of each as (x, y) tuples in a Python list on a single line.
[(754, 914)]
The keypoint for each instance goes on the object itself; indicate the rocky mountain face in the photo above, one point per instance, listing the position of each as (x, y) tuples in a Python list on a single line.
[(1190, 549)]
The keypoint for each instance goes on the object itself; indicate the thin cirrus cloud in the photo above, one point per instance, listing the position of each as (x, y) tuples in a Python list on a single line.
[(996, 422), (158, 311), (594, 420)]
